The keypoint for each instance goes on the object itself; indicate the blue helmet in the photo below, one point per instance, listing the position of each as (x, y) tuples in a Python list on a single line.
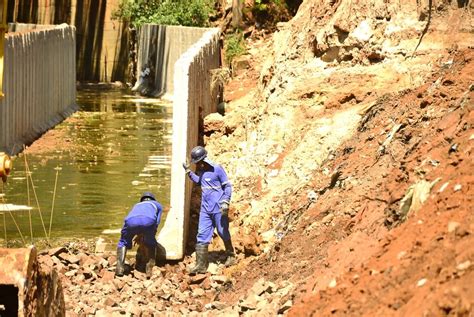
[(198, 154), (147, 196)]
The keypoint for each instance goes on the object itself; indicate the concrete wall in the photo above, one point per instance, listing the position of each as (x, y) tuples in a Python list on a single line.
[(191, 103), (38, 83), (102, 44), (19, 27), (159, 47)]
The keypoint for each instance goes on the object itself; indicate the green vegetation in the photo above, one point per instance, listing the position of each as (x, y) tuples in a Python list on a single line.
[(262, 5), (167, 12), (269, 12), (234, 46)]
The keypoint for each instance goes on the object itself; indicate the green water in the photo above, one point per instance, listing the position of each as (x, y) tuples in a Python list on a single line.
[(110, 151)]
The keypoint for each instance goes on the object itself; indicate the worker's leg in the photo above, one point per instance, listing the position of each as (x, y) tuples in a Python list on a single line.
[(150, 243), (205, 228), (132, 227), (124, 243), (222, 225), (204, 236), (126, 235)]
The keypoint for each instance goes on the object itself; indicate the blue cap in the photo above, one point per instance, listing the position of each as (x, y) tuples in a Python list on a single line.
[(147, 195)]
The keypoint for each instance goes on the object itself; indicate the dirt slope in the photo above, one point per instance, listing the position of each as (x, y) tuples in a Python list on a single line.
[(325, 149), (423, 266), (340, 250)]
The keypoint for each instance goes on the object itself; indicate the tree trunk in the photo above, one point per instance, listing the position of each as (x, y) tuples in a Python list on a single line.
[(236, 13)]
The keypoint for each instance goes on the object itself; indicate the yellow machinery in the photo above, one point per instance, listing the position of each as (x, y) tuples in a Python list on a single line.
[(5, 166), (3, 30)]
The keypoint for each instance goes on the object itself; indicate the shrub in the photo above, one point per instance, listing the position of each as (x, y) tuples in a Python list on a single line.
[(269, 12), (234, 46), (166, 12)]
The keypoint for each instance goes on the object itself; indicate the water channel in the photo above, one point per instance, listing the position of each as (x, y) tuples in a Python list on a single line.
[(103, 157)]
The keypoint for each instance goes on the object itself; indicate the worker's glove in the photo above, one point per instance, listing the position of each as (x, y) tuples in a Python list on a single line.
[(224, 208), (186, 167)]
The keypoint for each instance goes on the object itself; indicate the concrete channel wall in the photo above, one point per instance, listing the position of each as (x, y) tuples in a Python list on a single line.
[(102, 42), (39, 84), (159, 47), (193, 99)]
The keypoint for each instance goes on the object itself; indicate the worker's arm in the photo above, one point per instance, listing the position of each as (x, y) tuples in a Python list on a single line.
[(159, 211), (195, 178), (226, 186)]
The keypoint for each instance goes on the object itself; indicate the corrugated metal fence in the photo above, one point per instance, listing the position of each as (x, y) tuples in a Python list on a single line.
[(39, 84)]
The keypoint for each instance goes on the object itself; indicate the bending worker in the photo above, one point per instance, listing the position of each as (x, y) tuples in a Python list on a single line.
[(142, 220), (216, 193)]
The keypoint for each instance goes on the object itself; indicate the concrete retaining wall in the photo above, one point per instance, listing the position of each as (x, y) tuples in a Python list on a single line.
[(159, 47), (39, 84), (192, 101), (102, 43)]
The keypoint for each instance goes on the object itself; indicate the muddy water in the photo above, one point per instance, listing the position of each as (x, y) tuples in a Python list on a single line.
[(104, 156)]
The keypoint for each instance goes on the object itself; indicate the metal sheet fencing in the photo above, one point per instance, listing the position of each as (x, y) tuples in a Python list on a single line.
[(193, 99), (39, 84)]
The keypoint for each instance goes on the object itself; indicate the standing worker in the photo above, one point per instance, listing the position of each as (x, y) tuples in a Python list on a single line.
[(216, 192), (143, 221)]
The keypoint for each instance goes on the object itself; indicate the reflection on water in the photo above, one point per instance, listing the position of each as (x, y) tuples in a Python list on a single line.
[(114, 148)]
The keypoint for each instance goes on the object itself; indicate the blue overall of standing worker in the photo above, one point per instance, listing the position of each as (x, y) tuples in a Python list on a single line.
[(142, 220), (215, 199)]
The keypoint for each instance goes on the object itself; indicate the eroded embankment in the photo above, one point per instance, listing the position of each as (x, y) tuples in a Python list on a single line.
[(409, 166), (337, 246)]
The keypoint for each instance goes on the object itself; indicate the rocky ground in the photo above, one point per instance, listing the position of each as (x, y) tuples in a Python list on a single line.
[(348, 135)]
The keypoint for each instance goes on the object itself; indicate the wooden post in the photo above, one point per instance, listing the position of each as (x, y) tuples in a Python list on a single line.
[(236, 13)]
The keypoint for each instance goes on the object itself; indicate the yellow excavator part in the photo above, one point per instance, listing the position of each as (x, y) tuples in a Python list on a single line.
[(5, 166)]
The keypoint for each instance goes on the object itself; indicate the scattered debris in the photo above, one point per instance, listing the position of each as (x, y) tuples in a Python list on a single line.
[(421, 282)]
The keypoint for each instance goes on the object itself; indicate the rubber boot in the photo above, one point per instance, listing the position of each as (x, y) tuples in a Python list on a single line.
[(202, 260), (229, 250), (120, 268), (151, 261)]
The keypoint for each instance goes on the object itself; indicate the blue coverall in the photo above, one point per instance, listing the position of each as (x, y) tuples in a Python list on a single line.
[(144, 218), (216, 189)]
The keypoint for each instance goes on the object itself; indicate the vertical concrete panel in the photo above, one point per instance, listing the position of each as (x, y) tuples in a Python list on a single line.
[(171, 235), (71, 64), (25, 88), (25, 85), (61, 88), (191, 103), (47, 107), (30, 85), (7, 77), (57, 74), (2, 100), (10, 106), (10, 98), (19, 105)]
